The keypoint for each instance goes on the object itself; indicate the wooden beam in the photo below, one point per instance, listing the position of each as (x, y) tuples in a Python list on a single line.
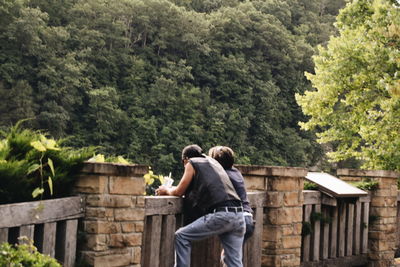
[(334, 233), (342, 229), (311, 197), (328, 200), (349, 229), (36, 212), (167, 241), (306, 247), (357, 229), (49, 239), (153, 241), (163, 205), (3, 235), (316, 235), (67, 243)]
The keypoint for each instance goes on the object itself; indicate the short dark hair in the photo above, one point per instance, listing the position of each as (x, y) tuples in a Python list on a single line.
[(224, 155), (192, 151)]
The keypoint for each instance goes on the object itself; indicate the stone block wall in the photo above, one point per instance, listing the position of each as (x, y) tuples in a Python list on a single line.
[(382, 232), (282, 222), (114, 213)]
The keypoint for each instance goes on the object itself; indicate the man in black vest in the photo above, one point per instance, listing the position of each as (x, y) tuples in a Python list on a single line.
[(211, 192)]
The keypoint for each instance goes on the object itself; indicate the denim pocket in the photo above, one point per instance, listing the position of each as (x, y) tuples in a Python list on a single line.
[(218, 221)]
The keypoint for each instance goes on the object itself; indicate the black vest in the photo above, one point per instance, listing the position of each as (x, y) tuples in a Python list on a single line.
[(210, 186)]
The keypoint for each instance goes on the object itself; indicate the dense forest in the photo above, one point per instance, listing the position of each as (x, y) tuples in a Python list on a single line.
[(144, 78)]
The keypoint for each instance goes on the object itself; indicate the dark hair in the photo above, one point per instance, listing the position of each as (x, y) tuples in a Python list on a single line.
[(224, 155), (192, 151)]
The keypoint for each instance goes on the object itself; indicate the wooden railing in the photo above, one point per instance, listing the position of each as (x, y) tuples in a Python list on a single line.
[(163, 218), (334, 230), (397, 255), (51, 224)]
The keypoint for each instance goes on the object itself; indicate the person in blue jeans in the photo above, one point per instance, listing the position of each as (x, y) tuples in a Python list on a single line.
[(226, 157), (211, 192)]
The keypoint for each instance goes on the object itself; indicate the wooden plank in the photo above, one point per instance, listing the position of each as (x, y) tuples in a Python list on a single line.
[(311, 197), (334, 186), (3, 235), (398, 229), (26, 231), (255, 258), (162, 205), (349, 229), (213, 251), (325, 235), (167, 241), (14, 215), (206, 252), (316, 235), (66, 242), (328, 200), (357, 228), (365, 199), (153, 240), (364, 227), (333, 233), (49, 239), (342, 229), (199, 257), (306, 238)]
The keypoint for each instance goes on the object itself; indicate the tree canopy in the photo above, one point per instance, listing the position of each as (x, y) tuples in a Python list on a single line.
[(356, 102), (144, 78)]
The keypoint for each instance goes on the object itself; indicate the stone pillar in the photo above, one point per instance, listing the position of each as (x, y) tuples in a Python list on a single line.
[(282, 222), (383, 214), (114, 213)]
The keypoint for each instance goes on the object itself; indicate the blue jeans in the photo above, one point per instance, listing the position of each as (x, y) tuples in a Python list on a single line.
[(249, 227), (229, 226)]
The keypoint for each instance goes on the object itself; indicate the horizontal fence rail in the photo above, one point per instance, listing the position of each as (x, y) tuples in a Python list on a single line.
[(164, 217), (51, 224), (335, 230)]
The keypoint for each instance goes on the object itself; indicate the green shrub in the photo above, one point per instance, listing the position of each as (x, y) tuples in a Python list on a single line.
[(25, 255), (310, 186), (366, 185), (25, 167)]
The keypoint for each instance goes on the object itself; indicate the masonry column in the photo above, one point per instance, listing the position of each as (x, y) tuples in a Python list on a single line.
[(114, 214), (282, 220), (383, 214)]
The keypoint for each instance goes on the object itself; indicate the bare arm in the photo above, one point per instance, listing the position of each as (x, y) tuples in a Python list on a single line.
[(180, 189)]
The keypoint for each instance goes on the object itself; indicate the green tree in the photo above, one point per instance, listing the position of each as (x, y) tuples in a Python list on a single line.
[(356, 103), (17, 103), (144, 78)]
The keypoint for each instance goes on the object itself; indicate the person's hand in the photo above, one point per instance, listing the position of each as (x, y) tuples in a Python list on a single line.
[(162, 190)]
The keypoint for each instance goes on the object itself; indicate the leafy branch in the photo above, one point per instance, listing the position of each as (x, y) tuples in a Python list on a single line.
[(42, 146)]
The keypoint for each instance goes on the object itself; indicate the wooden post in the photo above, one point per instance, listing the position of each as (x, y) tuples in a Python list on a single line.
[(382, 215), (114, 213), (282, 222)]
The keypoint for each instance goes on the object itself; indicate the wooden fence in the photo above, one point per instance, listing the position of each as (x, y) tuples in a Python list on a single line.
[(335, 231), (163, 218), (51, 224), (397, 254)]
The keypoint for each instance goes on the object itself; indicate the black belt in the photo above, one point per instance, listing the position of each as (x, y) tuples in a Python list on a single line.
[(228, 209)]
